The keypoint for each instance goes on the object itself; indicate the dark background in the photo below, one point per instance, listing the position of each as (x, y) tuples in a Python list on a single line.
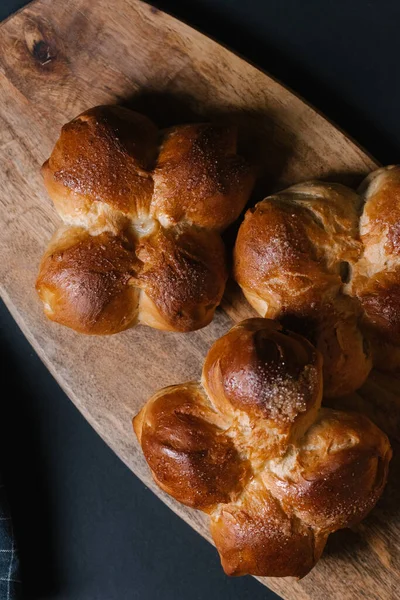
[(88, 529)]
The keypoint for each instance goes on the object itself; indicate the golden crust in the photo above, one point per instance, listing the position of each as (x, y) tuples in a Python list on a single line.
[(335, 474), (200, 178), (184, 274), (104, 284), (257, 537), (293, 255), (84, 282), (380, 221), (315, 255), (101, 179), (103, 155), (376, 280), (291, 246), (190, 456), (380, 299), (264, 371), (346, 351), (275, 259), (276, 473)]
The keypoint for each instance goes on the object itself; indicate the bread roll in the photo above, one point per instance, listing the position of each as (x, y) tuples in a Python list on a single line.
[(294, 254), (141, 236), (376, 280), (251, 447)]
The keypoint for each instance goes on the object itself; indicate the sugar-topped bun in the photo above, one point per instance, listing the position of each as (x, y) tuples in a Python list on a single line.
[(251, 447), (142, 213)]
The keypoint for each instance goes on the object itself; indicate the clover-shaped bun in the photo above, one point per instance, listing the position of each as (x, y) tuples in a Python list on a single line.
[(294, 255), (143, 212), (251, 446)]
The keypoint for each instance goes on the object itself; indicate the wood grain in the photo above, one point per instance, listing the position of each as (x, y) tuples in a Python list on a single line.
[(59, 58)]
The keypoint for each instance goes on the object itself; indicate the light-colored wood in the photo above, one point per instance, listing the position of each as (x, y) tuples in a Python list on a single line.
[(58, 58)]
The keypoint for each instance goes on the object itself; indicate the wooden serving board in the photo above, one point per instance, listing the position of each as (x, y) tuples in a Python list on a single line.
[(59, 58)]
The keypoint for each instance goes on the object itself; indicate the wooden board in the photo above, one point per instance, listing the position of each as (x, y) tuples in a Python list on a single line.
[(58, 58)]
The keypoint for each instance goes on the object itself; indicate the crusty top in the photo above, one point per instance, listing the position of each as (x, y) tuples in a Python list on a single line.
[(197, 169), (264, 371), (327, 261), (160, 207), (292, 246), (252, 447), (322, 261), (376, 279), (104, 155)]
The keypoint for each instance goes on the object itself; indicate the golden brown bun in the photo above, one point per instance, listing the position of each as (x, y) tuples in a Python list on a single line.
[(103, 284), (104, 155), (376, 280), (293, 256), (344, 347), (141, 237), (291, 246), (255, 536), (186, 451), (183, 274), (252, 447), (197, 170), (84, 281)]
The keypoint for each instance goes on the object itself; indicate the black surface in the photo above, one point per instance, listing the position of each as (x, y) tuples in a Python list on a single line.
[(88, 529)]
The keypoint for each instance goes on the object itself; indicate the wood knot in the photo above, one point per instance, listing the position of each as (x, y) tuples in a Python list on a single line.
[(40, 43), (41, 52)]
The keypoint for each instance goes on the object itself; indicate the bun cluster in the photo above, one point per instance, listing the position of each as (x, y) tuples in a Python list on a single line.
[(326, 261), (251, 446), (143, 212)]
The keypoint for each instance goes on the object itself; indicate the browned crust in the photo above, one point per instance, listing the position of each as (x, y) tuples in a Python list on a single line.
[(291, 246), (104, 284), (376, 280), (272, 505), (100, 177), (291, 255), (276, 259), (335, 474), (258, 537), (84, 282), (260, 368), (380, 222), (190, 456), (380, 299), (200, 178), (104, 155), (184, 273)]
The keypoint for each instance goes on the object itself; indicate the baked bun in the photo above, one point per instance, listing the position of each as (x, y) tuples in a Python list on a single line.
[(251, 447), (293, 256), (376, 280), (142, 222)]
